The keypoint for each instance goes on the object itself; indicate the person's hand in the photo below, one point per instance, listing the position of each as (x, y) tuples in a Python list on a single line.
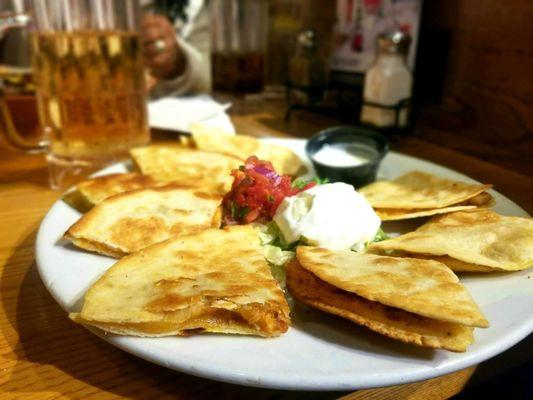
[(160, 49)]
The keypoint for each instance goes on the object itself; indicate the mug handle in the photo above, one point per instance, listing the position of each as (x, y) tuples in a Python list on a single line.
[(13, 135), (8, 20)]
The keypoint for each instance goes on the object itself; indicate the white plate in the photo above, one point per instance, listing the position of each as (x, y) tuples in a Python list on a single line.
[(179, 113), (319, 352)]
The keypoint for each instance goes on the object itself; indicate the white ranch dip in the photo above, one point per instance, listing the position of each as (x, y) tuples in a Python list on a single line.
[(343, 155)]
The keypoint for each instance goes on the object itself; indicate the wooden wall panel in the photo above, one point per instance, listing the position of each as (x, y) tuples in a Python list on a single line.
[(487, 98)]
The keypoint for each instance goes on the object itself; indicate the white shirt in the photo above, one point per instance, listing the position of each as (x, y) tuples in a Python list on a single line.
[(193, 40)]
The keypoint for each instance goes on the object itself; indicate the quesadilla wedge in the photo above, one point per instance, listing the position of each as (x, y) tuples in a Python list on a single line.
[(423, 287), (127, 222), (417, 194), (284, 160), (452, 263), (479, 240), (92, 191), (394, 214), (388, 321), (176, 163), (482, 200), (177, 288)]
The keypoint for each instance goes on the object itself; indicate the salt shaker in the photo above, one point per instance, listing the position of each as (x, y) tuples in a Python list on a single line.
[(388, 81)]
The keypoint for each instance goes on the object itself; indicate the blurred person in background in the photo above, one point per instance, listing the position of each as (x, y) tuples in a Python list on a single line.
[(175, 42)]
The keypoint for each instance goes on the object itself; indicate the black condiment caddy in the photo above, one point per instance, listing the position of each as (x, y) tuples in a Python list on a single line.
[(345, 101)]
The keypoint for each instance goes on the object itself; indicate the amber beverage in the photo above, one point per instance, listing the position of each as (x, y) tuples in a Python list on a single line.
[(238, 44), (19, 101), (89, 82), (90, 95)]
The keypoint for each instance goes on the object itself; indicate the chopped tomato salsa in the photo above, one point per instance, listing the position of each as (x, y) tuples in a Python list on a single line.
[(256, 192)]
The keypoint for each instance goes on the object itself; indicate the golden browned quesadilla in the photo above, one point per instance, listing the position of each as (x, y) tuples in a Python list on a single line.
[(395, 214), (389, 321), (177, 287), (418, 194), (284, 160), (482, 200), (176, 163), (127, 222), (416, 301), (479, 240), (92, 191)]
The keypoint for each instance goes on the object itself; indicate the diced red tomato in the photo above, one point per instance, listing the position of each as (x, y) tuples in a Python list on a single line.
[(256, 192)]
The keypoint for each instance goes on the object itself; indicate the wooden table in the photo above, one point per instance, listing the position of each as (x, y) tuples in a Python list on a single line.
[(44, 355)]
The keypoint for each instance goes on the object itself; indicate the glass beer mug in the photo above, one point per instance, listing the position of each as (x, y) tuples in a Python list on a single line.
[(89, 83), (239, 33)]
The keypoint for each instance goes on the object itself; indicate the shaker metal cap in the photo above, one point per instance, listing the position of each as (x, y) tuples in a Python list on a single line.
[(394, 42), (307, 38)]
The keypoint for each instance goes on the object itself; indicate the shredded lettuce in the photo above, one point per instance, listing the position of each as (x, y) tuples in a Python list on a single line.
[(358, 247), (270, 234), (380, 236), (274, 253), (276, 256), (278, 272), (300, 183)]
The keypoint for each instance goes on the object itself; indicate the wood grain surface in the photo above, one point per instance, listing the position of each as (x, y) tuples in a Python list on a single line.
[(44, 355), (484, 50), (473, 81)]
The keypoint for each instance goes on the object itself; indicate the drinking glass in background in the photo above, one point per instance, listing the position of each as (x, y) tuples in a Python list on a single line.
[(17, 91), (89, 82), (238, 44)]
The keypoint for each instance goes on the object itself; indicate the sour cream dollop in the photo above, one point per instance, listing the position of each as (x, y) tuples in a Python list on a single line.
[(334, 216)]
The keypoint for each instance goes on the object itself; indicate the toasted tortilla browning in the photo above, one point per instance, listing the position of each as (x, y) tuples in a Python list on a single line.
[(177, 288), (482, 200), (423, 287), (92, 191), (388, 321), (128, 222), (284, 160), (176, 163), (394, 214), (418, 190), (480, 237)]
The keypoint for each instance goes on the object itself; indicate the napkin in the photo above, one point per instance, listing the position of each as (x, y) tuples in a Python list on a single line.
[(179, 113)]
